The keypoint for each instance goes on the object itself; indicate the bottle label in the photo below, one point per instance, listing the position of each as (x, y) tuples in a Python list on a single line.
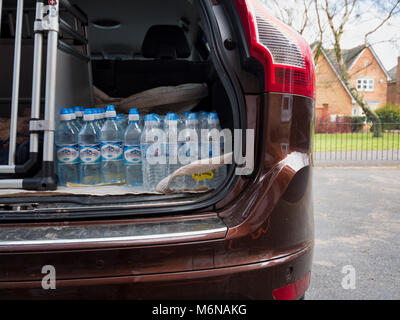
[(112, 151), (209, 175), (132, 155), (154, 153), (171, 150), (191, 150), (90, 154), (214, 150), (68, 154)]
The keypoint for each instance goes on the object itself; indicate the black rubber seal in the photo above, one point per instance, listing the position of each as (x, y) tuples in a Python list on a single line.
[(46, 182), (29, 165)]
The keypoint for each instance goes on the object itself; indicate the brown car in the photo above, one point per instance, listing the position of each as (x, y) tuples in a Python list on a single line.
[(250, 238)]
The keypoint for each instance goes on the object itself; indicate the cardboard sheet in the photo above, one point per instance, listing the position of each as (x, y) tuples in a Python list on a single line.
[(84, 191)]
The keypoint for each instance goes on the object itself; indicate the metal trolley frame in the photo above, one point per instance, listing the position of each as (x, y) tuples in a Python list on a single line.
[(47, 21)]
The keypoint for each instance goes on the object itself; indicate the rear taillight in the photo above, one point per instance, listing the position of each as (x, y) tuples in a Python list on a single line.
[(293, 290), (286, 57)]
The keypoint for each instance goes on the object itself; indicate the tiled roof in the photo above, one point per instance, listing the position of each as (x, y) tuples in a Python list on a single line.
[(393, 73), (349, 56)]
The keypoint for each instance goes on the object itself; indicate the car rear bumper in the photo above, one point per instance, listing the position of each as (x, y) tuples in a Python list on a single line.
[(250, 281), (186, 257)]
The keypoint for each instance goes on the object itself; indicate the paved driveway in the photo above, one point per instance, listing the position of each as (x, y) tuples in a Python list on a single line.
[(357, 225)]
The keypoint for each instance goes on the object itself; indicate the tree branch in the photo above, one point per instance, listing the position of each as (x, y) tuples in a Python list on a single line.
[(383, 22)]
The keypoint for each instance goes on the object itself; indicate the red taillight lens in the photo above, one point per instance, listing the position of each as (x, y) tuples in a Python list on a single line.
[(294, 290), (286, 57)]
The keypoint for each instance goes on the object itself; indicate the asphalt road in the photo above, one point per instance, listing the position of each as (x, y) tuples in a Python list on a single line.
[(357, 225)]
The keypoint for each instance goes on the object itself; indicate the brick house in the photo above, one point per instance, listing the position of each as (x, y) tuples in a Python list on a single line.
[(393, 95), (367, 74)]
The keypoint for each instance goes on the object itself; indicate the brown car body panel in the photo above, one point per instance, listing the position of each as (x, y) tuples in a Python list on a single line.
[(268, 244), (254, 281)]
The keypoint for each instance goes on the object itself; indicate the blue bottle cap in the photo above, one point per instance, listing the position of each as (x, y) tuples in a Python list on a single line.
[(72, 113), (213, 116), (65, 114), (193, 116), (88, 115), (134, 115), (79, 111), (172, 117), (110, 113), (150, 118)]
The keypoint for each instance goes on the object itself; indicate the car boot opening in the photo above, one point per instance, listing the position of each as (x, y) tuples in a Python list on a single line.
[(136, 86)]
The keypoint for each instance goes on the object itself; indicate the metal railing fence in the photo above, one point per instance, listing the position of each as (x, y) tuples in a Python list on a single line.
[(347, 141)]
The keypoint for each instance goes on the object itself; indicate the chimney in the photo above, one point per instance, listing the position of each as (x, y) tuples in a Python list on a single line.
[(398, 72)]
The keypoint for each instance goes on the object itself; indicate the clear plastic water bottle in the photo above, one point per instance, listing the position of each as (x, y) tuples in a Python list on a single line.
[(94, 111), (74, 121), (90, 151), (189, 148), (79, 116), (120, 118), (66, 139), (126, 120), (203, 124), (141, 122), (132, 151), (203, 147), (173, 164), (216, 149), (97, 119), (122, 121), (160, 120), (103, 116), (152, 143), (112, 149), (203, 117), (182, 119)]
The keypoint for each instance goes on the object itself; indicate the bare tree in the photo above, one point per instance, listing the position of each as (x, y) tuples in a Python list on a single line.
[(324, 21), (338, 14), (295, 13)]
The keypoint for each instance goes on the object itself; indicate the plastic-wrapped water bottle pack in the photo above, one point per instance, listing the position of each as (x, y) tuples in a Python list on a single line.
[(97, 146)]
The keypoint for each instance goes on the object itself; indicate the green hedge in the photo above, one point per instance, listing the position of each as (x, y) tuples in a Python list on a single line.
[(357, 123), (390, 117)]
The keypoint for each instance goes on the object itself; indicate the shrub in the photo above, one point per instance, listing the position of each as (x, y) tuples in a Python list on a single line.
[(390, 117), (357, 123)]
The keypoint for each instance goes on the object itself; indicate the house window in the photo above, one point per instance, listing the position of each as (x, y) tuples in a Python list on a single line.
[(365, 84), (374, 104), (355, 111)]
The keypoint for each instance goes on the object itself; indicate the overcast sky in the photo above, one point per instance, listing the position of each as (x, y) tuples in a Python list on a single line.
[(386, 41)]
